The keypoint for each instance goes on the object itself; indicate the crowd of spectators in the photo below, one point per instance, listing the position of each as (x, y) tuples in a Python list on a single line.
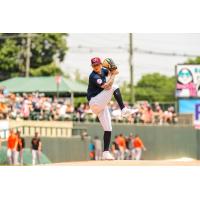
[(147, 114), (36, 106)]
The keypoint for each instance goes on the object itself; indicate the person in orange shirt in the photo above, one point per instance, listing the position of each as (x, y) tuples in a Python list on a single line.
[(122, 145), (138, 146), (11, 148)]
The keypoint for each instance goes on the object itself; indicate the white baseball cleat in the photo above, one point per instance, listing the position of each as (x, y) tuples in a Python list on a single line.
[(107, 156), (127, 112)]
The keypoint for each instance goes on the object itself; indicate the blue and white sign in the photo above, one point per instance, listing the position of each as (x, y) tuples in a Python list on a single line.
[(197, 116), (190, 106), (187, 106)]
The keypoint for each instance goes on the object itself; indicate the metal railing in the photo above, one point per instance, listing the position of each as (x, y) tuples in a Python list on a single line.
[(4, 132), (29, 131)]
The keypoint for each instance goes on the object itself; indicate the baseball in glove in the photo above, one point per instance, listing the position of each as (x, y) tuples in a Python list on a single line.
[(109, 64)]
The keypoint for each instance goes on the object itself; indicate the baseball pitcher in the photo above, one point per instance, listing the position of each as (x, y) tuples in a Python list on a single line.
[(99, 94)]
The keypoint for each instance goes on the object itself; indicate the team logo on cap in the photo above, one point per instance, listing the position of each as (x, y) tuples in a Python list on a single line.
[(95, 60), (99, 81)]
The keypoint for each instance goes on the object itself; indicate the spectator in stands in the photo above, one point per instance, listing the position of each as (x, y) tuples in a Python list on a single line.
[(25, 109), (80, 113), (16, 107), (36, 111), (62, 111), (20, 148), (89, 115), (38, 107), (0, 142), (174, 115), (138, 147), (46, 109), (55, 109), (170, 116), (148, 115), (158, 115), (69, 111), (97, 148), (3, 108), (11, 148), (115, 112), (36, 147), (142, 110)]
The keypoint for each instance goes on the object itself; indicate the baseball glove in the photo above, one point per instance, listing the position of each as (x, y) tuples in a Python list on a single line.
[(109, 64)]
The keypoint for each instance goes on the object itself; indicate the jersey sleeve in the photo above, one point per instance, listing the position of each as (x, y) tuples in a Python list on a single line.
[(105, 71)]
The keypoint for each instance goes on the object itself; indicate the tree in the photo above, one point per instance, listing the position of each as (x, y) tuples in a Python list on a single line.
[(155, 87), (46, 46), (46, 70), (193, 61), (9, 62), (45, 49)]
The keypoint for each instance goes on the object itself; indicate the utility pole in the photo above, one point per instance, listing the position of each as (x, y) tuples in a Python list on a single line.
[(28, 53), (131, 68)]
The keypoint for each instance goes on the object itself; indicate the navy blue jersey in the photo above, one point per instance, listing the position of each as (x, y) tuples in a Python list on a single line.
[(95, 83)]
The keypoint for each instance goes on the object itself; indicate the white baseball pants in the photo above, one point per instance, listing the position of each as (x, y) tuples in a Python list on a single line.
[(98, 105), (11, 154), (136, 153), (35, 156), (19, 156)]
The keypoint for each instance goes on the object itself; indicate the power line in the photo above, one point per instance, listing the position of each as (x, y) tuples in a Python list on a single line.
[(164, 53), (169, 41), (2, 37), (136, 50), (106, 48)]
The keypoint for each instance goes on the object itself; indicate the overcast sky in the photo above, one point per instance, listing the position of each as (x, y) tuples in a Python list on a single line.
[(82, 47)]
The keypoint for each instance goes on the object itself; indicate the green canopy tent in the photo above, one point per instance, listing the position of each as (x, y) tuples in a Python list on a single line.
[(46, 85)]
